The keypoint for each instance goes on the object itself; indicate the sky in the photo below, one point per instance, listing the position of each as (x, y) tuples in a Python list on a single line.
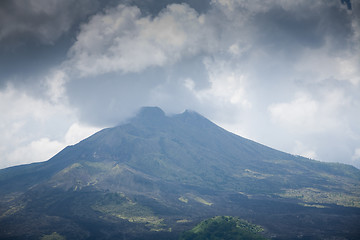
[(283, 73)]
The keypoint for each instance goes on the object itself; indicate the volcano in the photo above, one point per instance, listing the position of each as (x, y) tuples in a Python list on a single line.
[(158, 175)]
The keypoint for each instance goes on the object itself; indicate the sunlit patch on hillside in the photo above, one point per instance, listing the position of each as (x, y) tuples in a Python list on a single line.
[(313, 195), (118, 205)]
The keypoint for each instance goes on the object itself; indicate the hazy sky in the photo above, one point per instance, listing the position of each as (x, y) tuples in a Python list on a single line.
[(284, 73)]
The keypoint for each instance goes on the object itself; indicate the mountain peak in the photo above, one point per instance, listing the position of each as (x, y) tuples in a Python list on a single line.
[(150, 112), (194, 118), (150, 117), (193, 114)]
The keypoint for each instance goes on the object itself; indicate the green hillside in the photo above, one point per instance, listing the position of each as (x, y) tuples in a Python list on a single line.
[(224, 228)]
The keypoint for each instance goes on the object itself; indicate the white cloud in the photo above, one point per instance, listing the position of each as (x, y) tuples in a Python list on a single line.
[(320, 65), (299, 113), (324, 123), (35, 151), (55, 85), (42, 149), (356, 156), (303, 150), (122, 40), (228, 85), (33, 128), (78, 132), (306, 114)]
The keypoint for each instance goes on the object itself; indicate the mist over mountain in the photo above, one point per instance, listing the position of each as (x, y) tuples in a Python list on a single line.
[(159, 175)]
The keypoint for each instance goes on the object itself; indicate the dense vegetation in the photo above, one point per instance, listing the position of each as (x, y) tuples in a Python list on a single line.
[(224, 228)]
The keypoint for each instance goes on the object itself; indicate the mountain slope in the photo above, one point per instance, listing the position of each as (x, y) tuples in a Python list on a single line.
[(157, 175)]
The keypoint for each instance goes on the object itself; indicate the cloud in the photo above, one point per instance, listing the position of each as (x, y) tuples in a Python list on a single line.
[(35, 36), (321, 123), (347, 2), (313, 114), (343, 66), (303, 150), (36, 151), (122, 40), (300, 112), (356, 156), (42, 149), (78, 132), (55, 85), (34, 129), (44, 20)]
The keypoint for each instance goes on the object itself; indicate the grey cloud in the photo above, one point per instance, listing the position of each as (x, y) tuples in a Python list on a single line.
[(281, 29), (36, 35), (116, 98), (31, 62), (107, 99), (42, 20), (347, 2), (303, 26)]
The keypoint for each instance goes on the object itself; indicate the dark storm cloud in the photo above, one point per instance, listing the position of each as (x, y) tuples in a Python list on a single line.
[(288, 29), (43, 21), (348, 3), (304, 26), (35, 36), (31, 61)]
